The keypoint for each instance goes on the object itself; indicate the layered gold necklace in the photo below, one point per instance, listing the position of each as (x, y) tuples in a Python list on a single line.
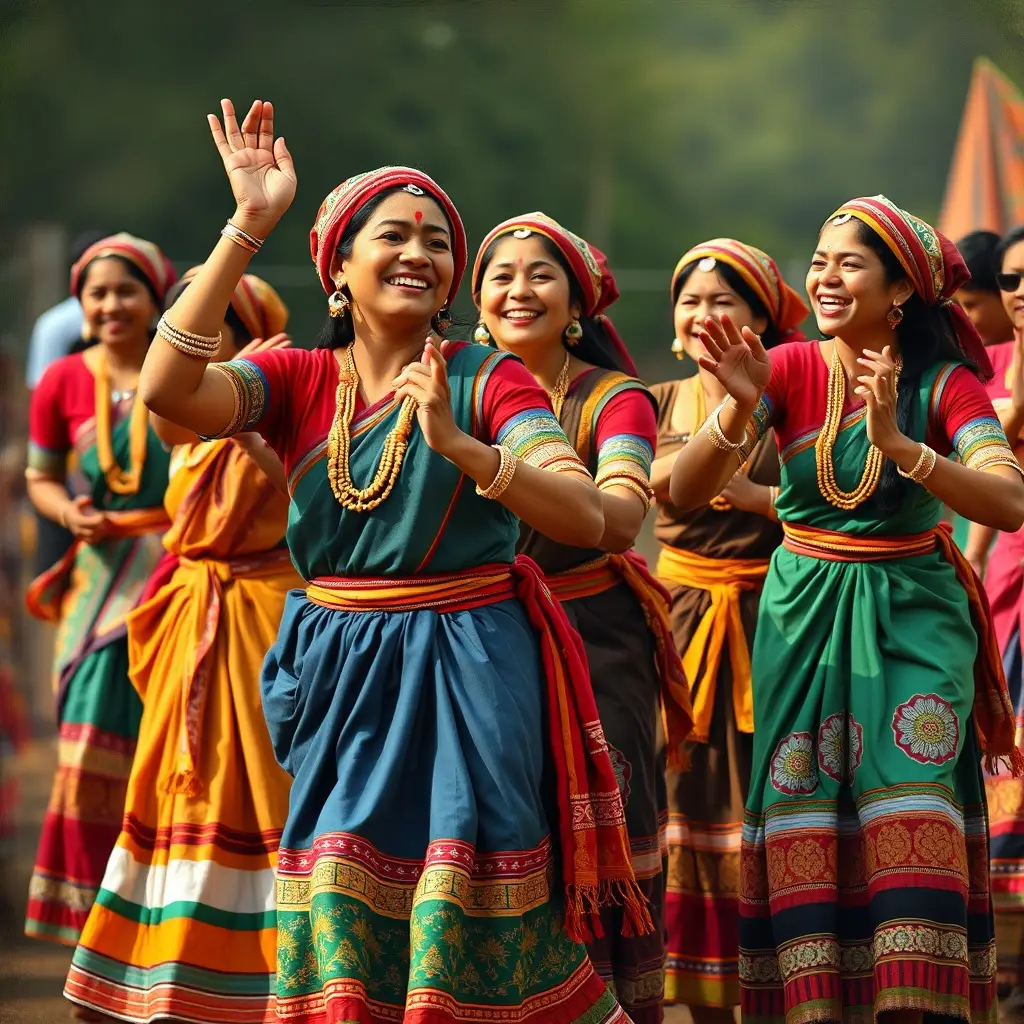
[(339, 444), (120, 481), (846, 500)]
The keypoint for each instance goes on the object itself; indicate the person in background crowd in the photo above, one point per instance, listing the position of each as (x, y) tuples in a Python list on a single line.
[(982, 301)]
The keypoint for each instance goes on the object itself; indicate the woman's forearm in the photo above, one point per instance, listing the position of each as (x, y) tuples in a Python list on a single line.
[(661, 474), (702, 469), (563, 506), (993, 497), (1012, 422), (266, 458), (49, 497), (624, 514), (179, 387)]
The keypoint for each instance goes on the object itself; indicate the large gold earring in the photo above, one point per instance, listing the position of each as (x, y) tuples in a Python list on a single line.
[(481, 335), (677, 348), (574, 332), (442, 319), (338, 304), (894, 316)]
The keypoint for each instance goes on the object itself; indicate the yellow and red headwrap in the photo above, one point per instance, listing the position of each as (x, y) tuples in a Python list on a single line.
[(931, 261), (257, 304), (338, 208), (587, 263), (784, 305), (147, 257)]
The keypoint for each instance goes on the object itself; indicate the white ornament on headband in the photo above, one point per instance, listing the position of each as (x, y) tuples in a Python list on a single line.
[(707, 264), (414, 190), (843, 218), (522, 233)]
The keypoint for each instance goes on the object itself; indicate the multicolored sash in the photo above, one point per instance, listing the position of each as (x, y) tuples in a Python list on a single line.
[(724, 579), (993, 711), (601, 574), (595, 858)]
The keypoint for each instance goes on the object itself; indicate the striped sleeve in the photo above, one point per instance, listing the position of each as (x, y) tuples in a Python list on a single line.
[(963, 416), (626, 435), (517, 414)]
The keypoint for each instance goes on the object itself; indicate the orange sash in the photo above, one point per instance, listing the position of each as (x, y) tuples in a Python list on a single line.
[(993, 711), (609, 571), (724, 579), (596, 862)]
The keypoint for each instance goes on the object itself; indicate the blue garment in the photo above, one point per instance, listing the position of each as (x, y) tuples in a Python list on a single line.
[(53, 335)]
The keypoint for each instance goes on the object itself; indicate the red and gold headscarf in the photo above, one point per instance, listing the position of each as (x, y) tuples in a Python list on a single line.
[(784, 305), (587, 263), (338, 208), (147, 257), (257, 304), (931, 261)]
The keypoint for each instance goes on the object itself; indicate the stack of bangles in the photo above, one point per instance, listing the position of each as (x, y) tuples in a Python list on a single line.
[(185, 341), (715, 434), (506, 470), (924, 466), (248, 242)]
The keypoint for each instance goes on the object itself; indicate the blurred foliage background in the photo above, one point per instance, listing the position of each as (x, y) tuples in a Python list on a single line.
[(646, 125)]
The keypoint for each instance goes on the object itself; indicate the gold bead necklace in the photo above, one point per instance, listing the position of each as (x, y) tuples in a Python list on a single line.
[(846, 500), (120, 481), (339, 444)]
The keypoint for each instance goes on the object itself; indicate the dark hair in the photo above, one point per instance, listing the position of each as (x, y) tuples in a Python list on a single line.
[(734, 280), (231, 317), (595, 347), (978, 250), (1006, 243), (927, 337), (133, 271), (339, 331)]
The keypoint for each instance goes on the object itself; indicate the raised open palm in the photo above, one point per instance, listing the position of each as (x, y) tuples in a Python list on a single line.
[(737, 358), (260, 168)]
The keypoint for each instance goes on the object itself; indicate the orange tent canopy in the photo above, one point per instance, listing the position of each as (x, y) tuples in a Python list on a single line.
[(986, 179)]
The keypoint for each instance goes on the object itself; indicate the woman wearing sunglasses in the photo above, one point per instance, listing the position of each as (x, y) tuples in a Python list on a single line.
[(1004, 582)]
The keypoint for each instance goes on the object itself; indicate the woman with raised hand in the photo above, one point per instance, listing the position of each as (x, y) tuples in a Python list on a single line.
[(416, 679), (185, 924), (714, 560), (86, 409), (542, 293), (876, 680)]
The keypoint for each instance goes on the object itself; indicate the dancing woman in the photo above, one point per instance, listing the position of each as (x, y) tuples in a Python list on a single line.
[(542, 293), (877, 685), (714, 560), (413, 681), (85, 406)]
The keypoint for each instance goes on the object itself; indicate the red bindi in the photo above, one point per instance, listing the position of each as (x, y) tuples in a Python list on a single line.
[(418, 215)]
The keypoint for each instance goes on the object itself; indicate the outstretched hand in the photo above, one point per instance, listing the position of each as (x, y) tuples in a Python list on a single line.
[(426, 380), (262, 344), (736, 358), (259, 168)]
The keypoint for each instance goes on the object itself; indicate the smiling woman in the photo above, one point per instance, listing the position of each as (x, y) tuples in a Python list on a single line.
[(425, 680), (877, 688), (85, 409)]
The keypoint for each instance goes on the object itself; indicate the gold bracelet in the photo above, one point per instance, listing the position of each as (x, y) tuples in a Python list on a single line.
[(715, 434), (507, 463), (185, 341), (646, 495), (923, 467), (773, 498), (248, 242)]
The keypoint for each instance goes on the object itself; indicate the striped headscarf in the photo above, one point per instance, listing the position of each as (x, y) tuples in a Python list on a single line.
[(587, 263), (784, 305), (931, 261), (338, 208), (147, 257), (257, 304)]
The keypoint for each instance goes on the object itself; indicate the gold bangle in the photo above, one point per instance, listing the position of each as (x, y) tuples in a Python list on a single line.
[(645, 494), (923, 467), (185, 341), (507, 463), (773, 498), (716, 435), (248, 242)]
